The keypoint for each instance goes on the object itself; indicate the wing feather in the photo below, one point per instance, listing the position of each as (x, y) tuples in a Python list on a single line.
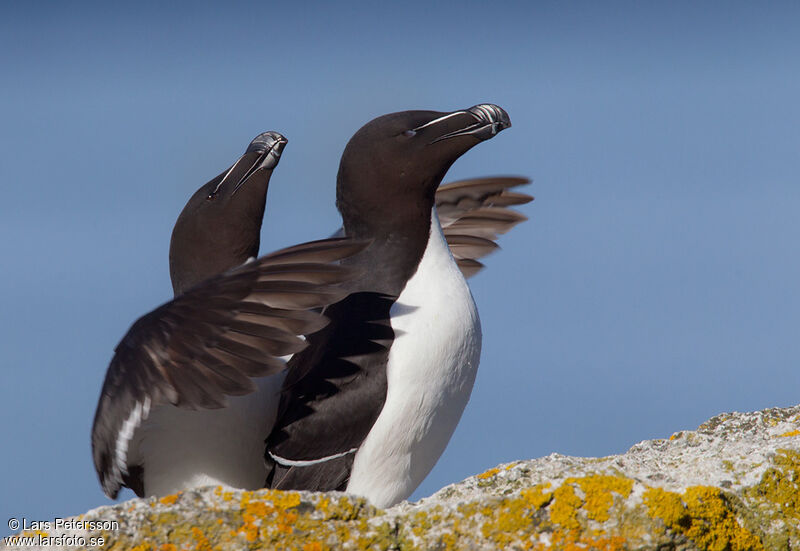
[(208, 344), (475, 212)]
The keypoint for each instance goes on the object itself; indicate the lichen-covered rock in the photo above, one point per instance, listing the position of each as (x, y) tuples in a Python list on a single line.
[(731, 485)]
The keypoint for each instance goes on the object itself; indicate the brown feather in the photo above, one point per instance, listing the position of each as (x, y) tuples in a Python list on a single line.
[(473, 213)]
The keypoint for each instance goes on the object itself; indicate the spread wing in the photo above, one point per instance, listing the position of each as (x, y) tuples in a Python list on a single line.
[(474, 212), (208, 343)]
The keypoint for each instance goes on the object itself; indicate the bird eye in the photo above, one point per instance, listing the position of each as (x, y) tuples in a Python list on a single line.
[(211, 196), (409, 133)]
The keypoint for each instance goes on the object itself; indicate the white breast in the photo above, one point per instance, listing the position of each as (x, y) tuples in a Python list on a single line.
[(181, 449), (431, 369)]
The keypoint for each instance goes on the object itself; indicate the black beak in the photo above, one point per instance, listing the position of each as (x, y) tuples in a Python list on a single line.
[(489, 119), (263, 153)]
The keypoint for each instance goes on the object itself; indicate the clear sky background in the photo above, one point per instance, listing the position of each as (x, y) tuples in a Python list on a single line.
[(655, 285)]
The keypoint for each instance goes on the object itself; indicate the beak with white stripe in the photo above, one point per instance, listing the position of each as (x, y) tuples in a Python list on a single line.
[(220, 226)]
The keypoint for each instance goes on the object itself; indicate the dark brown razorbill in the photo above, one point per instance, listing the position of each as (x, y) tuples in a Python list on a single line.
[(210, 348), (369, 406)]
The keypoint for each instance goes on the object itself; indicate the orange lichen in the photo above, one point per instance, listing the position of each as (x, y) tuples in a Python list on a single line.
[(202, 541)]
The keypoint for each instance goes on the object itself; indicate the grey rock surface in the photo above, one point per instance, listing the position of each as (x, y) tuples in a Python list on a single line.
[(732, 484)]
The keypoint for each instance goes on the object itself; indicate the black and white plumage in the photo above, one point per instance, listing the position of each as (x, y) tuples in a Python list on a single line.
[(177, 408), (186, 403), (369, 406)]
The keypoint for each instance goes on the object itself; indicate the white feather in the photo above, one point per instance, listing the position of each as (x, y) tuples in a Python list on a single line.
[(182, 449), (430, 373), (126, 433), (306, 462)]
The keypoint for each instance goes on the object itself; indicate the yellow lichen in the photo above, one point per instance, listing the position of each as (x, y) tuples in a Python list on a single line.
[(565, 506), (568, 541), (536, 496), (664, 505), (795, 432), (590, 512), (169, 500), (780, 485), (420, 523), (597, 490), (596, 502), (449, 541), (776, 498), (489, 474), (505, 522), (225, 495), (285, 500), (33, 533), (704, 515), (510, 520)]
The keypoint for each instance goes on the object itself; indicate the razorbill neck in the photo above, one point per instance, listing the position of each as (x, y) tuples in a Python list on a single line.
[(177, 409), (474, 213), (370, 405)]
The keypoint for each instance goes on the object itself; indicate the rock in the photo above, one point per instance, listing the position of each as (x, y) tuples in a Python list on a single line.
[(733, 484)]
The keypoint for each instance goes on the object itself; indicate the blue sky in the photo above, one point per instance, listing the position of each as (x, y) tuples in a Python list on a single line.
[(655, 284)]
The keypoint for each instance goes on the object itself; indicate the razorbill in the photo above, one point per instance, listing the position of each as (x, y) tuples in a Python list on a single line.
[(182, 404), (369, 406)]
